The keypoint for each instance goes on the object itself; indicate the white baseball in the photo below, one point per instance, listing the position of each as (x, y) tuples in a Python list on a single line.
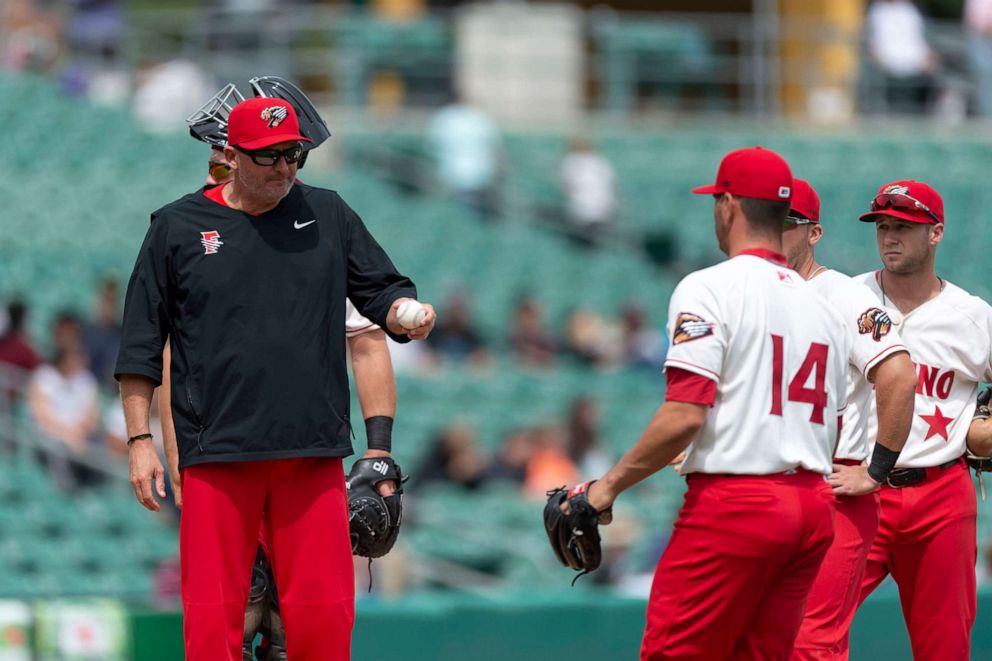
[(410, 314)]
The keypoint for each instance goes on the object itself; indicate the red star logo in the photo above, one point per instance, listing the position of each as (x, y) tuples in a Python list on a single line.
[(938, 423)]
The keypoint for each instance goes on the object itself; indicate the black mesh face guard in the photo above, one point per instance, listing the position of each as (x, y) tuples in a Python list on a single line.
[(312, 125), (209, 123)]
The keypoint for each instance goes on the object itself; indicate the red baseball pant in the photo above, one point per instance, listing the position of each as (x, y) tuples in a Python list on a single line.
[(304, 505), (732, 583), (927, 541), (836, 592)]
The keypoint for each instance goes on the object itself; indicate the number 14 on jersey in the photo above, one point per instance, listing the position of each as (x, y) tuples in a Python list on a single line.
[(815, 363)]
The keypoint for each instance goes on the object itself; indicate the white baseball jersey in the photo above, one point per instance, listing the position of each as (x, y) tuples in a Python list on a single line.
[(950, 339), (354, 322), (778, 354), (872, 339)]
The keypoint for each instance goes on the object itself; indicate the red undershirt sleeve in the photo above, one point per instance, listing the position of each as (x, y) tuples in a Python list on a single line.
[(689, 387)]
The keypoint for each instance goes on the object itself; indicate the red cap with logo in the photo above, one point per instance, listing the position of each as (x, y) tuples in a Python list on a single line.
[(753, 172), (805, 201), (262, 122), (912, 201)]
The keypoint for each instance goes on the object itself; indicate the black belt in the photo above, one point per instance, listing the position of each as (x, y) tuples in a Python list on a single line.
[(908, 477)]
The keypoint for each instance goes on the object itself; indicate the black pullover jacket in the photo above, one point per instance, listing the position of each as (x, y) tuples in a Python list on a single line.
[(254, 308)]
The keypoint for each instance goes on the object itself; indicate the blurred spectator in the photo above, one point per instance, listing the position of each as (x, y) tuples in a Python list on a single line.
[(898, 45), (29, 37), (457, 339), (593, 340), (168, 92), (550, 465), (64, 401), (96, 27), (15, 345), (17, 357), (587, 180), (514, 455), (584, 447), (102, 335), (529, 339), (454, 458), (465, 145), (645, 346), (978, 24), (67, 333)]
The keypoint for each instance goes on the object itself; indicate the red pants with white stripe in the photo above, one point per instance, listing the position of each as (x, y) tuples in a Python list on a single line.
[(305, 508), (926, 540), (836, 592), (732, 583)]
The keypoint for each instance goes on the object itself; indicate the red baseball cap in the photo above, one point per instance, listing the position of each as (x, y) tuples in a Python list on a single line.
[(805, 201), (752, 172), (261, 122), (912, 201)]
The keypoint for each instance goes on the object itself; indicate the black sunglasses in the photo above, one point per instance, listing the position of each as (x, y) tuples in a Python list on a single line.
[(269, 157)]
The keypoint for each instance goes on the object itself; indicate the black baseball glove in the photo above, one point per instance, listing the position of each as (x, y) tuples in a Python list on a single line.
[(574, 535), (374, 519)]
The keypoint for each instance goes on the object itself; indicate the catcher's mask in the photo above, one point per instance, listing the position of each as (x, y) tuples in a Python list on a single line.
[(209, 123)]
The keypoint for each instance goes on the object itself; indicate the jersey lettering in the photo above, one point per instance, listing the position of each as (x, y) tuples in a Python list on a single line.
[(931, 381), (814, 364)]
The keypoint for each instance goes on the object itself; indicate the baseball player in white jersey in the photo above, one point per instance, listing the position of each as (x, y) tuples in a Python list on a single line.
[(926, 537), (757, 378), (878, 359)]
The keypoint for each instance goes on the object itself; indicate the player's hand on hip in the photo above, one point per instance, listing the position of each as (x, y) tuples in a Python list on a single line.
[(387, 488), (147, 474), (409, 321), (851, 481)]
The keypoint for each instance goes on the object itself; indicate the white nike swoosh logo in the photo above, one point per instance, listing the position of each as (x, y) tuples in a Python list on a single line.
[(298, 225)]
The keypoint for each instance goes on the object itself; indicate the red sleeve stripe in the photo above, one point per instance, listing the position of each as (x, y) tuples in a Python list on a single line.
[(675, 363), (689, 387)]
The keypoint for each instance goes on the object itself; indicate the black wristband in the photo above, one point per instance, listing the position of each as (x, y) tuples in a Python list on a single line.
[(379, 432), (139, 437), (883, 460)]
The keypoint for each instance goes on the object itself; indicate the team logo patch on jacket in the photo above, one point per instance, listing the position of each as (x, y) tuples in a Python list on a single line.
[(274, 115), (690, 327), (211, 242), (875, 321)]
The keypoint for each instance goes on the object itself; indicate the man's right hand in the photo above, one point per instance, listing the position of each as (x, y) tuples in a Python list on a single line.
[(147, 474), (852, 481)]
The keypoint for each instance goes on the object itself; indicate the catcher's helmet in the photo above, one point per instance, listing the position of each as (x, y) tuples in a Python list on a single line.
[(312, 125), (209, 123)]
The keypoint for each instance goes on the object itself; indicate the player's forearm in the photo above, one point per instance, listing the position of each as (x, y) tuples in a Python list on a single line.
[(169, 442), (136, 397), (374, 377), (671, 430), (895, 396)]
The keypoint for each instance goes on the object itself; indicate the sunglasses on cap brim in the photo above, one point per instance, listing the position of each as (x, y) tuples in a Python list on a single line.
[(797, 220), (901, 202)]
